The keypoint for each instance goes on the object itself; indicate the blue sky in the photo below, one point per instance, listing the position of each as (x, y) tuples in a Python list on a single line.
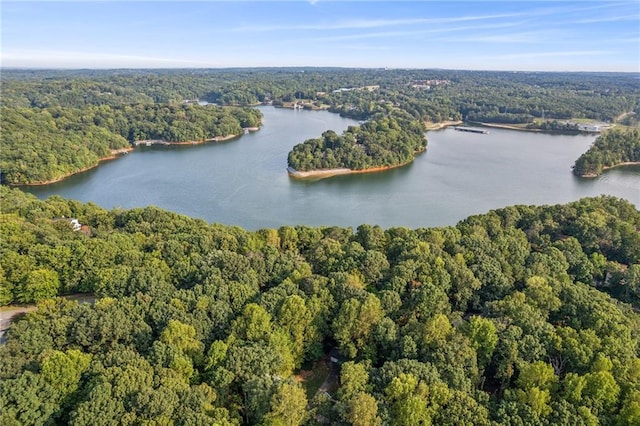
[(503, 35)]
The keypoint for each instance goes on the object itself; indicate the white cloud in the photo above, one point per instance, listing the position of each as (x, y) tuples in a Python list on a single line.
[(359, 24), (72, 59), (555, 54), (608, 19), (412, 33), (509, 38)]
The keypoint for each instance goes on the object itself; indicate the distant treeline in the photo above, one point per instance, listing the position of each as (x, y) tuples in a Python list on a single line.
[(42, 144), (522, 316), (555, 126), (428, 95), (610, 149)]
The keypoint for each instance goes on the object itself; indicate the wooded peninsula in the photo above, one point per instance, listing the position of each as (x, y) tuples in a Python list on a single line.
[(44, 144), (611, 149), (56, 123)]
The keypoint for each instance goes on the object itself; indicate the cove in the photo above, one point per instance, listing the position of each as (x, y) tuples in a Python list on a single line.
[(244, 182)]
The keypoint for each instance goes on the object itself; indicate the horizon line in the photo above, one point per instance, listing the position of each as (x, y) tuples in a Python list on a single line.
[(153, 68)]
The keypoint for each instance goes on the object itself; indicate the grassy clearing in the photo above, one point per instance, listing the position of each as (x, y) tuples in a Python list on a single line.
[(313, 378)]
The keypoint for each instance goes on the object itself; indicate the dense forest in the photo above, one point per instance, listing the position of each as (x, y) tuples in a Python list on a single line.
[(428, 95), (43, 144), (610, 149), (521, 316), (102, 107), (555, 126), (380, 142)]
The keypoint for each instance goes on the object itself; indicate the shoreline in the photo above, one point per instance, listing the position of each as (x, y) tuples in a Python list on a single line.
[(200, 142), (196, 142), (300, 106), (507, 127), (326, 173), (525, 129), (441, 124), (116, 153), (605, 168)]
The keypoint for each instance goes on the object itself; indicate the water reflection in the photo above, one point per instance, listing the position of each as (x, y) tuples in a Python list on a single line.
[(244, 182)]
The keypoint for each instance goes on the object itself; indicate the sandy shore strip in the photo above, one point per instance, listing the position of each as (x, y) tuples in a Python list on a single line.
[(317, 174), (196, 142), (506, 127), (441, 125), (216, 139), (626, 163), (325, 173), (115, 153), (445, 124)]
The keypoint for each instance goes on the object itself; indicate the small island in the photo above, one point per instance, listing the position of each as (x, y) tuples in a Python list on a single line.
[(611, 149), (382, 143)]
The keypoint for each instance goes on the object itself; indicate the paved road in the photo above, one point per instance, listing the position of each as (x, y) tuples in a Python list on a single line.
[(8, 313)]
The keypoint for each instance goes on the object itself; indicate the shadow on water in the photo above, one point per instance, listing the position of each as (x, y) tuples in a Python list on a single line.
[(244, 181), (625, 178), (80, 180), (76, 180)]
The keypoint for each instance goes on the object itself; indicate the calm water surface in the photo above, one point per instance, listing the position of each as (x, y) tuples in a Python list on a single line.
[(244, 182)]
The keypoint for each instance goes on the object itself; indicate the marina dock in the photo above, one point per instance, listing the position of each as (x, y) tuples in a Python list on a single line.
[(471, 130)]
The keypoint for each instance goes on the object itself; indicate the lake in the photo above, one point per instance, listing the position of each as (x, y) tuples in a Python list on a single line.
[(244, 182)]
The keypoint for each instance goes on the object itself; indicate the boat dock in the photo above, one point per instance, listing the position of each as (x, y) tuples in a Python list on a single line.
[(149, 142), (471, 130)]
